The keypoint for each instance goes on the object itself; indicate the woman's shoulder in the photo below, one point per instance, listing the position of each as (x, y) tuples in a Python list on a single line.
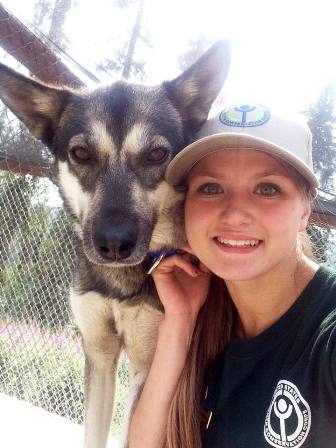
[(322, 280), (317, 303), (327, 271), (325, 289)]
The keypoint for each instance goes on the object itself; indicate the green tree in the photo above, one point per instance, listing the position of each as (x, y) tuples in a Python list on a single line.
[(322, 124), (196, 47), (321, 120), (51, 14), (42, 13), (15, 191), (15, 196), (37, 275)]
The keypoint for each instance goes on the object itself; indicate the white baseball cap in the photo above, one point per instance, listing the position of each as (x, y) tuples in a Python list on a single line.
[(249, 126)]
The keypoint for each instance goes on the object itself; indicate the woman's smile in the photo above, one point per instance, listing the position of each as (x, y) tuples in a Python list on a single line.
[(243, 245)]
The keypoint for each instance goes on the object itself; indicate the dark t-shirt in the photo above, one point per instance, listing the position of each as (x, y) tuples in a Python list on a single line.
[(279, 388)]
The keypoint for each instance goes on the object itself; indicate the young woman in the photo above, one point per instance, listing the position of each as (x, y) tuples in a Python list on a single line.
[(246, 353)]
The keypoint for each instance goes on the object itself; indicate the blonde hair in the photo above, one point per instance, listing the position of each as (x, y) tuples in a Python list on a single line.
[(187, 418)]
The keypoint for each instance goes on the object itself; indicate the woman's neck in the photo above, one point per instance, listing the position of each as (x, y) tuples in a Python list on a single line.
[(262, 301)]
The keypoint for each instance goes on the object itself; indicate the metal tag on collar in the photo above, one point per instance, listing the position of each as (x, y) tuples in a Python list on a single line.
[(157, 261)]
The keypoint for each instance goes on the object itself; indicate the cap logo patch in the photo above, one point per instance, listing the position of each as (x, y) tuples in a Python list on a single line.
[(245, 115)]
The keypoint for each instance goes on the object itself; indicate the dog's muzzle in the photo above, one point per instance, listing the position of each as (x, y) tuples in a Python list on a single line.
[(115, 239)]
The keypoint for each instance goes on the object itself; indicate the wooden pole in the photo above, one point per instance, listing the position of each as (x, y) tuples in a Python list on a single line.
[(33, 53), (17, 40)]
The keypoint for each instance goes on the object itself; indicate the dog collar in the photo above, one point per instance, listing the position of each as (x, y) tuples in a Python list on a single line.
[(154, 258)]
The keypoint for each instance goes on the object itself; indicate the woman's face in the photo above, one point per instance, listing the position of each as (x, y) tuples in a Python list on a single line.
[(243, 213)]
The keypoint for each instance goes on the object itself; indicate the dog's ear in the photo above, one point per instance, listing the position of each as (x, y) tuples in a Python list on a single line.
[(37, 105), (194, 91)]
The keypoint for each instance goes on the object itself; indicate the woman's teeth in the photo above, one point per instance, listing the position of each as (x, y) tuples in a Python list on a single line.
[(237, 243)]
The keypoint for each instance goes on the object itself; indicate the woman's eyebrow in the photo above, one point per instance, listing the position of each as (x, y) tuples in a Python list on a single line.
[(217, 174), (270, 173), (209, 174)]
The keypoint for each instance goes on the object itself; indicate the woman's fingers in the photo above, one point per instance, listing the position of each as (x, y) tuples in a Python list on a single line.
[(181, 285), (174, 262), (184, 259), (194, 260)]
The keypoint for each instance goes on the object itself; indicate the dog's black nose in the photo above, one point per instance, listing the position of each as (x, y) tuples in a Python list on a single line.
[(115, 242)]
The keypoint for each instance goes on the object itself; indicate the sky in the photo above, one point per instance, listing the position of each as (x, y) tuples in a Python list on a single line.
[(283, 52)]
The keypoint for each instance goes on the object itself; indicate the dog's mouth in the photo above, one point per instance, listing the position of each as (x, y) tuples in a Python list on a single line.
[(132, 260)]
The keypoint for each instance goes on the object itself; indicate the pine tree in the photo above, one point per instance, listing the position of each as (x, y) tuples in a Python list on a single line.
[(322, 122), (125, 61), (52, 15), (196, 47)]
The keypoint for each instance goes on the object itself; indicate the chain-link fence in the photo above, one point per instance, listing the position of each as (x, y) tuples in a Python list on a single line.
[(41, 357)]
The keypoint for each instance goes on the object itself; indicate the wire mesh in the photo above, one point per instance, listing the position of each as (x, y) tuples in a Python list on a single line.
[(41, 356)]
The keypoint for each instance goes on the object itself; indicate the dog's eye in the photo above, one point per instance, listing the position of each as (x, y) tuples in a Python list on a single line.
[(157, 155), (80, 154)]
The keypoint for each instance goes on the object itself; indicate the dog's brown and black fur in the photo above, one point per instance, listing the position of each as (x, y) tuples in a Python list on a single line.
[(111, 147)]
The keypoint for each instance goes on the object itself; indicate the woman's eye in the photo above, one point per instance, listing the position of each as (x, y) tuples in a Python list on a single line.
[(267, 190), (210, 188), (80, 154)]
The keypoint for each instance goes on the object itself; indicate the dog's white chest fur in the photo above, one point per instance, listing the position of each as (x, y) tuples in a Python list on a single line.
[(98, 318)]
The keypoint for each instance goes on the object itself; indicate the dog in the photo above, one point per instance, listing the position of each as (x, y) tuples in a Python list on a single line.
[(111, 146)]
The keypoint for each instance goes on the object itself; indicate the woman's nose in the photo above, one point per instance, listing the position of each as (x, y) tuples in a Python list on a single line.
[(236, 211)]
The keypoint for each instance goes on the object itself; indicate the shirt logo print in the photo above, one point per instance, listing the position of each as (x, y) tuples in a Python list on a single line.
[(288, 418)]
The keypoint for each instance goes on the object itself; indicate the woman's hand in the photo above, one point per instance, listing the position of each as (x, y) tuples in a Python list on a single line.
[(182, 287)]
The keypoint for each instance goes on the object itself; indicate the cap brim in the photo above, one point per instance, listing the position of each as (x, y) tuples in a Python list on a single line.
[(180, 166)]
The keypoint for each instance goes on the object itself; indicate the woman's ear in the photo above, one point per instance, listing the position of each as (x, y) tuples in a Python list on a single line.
[(305, 215)]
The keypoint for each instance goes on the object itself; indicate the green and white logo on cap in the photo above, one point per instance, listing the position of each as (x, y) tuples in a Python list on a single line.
[(245, 115)]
